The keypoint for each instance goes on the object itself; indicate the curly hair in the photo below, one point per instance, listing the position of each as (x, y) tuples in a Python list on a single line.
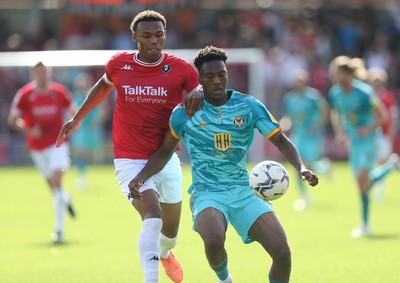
[(147, 16), (209, 53)]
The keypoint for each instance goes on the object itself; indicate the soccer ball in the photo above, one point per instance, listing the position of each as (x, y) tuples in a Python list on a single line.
[(269, 180)]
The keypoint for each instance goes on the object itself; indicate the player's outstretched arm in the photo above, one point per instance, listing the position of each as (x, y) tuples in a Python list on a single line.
[(340, 136), (380, 114), (289, 151), (193, 101), (69, 127), (154, 165), (95, 96)]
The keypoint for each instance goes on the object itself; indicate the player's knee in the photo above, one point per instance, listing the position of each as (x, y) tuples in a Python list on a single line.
[(54, 182), (214, 241), (171, 218), (149, 207), (153, 211), (169, 230), (281, 254)]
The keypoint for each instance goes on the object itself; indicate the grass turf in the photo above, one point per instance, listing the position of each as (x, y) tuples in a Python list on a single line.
[(101, 244)]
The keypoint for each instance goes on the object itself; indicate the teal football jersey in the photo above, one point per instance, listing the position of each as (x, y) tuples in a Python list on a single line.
[(305, 112), (355, 107), (218, 139)]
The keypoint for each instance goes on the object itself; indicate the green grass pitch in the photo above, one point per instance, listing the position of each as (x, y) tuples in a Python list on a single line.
[(101, 244)]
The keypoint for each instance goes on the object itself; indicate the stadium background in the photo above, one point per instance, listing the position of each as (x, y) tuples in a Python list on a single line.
[(291, 34)]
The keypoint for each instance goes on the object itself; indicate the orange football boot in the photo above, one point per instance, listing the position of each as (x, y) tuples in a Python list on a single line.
[(173, 268)]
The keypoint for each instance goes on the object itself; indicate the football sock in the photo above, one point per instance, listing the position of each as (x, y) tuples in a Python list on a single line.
[(380, 172), (365, 208), (379, 190), (66, 198), (276, 281), (166, 244), (81, 164), (221, 270), (59, 209), (149, 248)]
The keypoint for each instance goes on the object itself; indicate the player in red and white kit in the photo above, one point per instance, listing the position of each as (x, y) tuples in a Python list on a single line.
[(38, 111), (149, 84), (377, 77)]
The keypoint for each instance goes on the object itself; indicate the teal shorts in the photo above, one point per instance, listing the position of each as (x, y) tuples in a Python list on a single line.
[(363, 154), (240, 207), (311, 149)]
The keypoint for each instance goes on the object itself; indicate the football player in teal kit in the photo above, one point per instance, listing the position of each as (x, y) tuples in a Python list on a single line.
[(218, 137), (357, 117), (308, 113)]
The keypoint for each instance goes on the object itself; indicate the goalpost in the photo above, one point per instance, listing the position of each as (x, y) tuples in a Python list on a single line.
[(252, 57)]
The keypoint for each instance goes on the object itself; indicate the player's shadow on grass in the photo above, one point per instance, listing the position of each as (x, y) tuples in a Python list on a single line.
[(376, 236), (50, 244)]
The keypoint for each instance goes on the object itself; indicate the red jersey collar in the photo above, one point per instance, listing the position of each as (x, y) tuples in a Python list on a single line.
[(136, 59)]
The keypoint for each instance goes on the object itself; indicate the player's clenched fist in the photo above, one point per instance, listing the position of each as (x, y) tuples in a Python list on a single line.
[(134, 187), (310, 177)]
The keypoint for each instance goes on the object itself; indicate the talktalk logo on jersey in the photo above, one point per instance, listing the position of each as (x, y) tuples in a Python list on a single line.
[(144, 90), (46, 110)]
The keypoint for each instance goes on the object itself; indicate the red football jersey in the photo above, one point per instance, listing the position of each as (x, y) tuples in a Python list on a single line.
[(44, 109), (390, 103), (147, 94)]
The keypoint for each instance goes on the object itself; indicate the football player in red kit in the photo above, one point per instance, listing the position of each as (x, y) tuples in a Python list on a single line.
[(37, 111), (149, 84)]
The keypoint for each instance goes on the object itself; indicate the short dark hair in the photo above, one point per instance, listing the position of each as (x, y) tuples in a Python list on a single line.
[(147, 16), (347, 68), (209, 53)]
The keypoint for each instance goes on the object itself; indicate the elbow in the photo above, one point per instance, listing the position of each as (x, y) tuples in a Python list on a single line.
[(166, 155), (11, 121)]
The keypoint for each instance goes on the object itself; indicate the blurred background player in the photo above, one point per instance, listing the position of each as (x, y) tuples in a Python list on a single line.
[(377, 78), (357, 116), (334, 63), (87, 140), (149, 85), (38, 111), (218, 142), (306, 115), (360, 71)]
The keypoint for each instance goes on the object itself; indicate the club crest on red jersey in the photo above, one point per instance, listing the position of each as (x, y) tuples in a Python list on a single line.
[(166, 68)]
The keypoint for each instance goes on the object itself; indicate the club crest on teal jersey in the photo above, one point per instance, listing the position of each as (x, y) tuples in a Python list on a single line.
[(238, 121)]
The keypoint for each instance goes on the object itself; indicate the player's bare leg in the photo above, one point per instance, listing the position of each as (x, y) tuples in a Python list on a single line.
[(171, 214), (364, 184), (270, 234), (211, 225)]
